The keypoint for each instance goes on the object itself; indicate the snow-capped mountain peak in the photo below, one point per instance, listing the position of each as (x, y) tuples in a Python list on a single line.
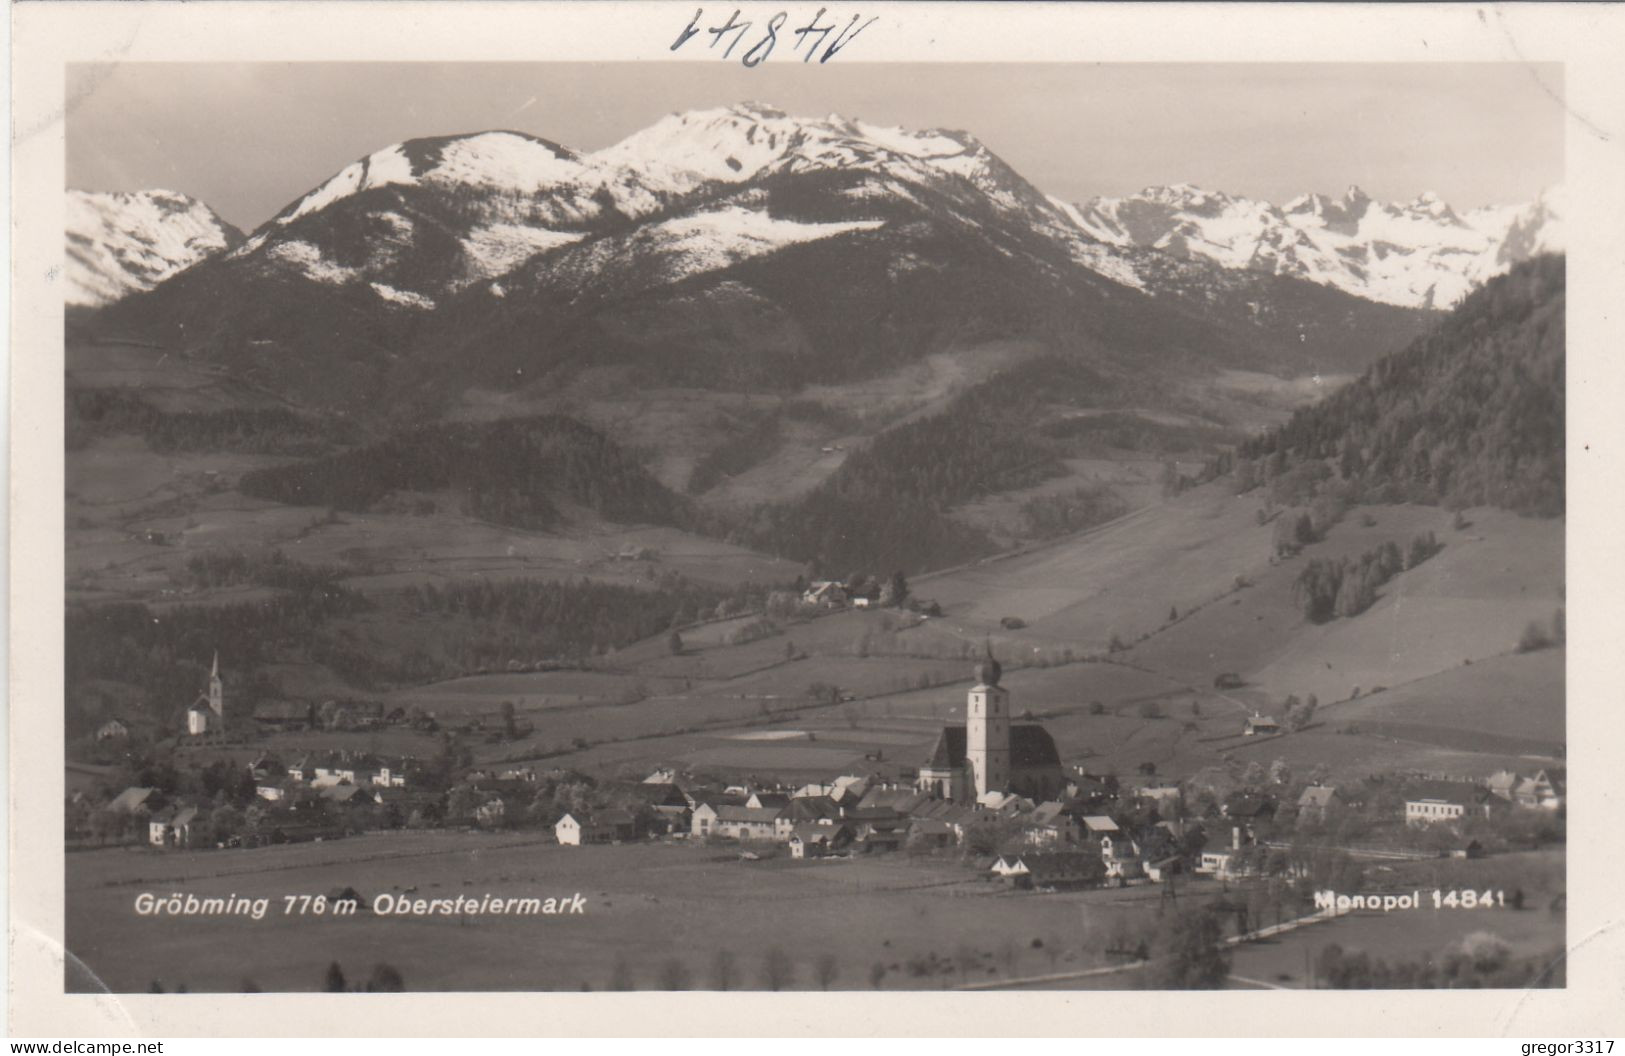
[(507, 161), (1418, 254), (123, 241)]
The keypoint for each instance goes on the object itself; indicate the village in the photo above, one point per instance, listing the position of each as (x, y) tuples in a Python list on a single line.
[(993, 794)]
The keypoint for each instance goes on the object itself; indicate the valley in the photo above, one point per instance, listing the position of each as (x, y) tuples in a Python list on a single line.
[(686, 522)]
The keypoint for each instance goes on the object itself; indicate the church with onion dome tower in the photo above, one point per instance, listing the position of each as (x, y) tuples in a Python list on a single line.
[(989, 753)]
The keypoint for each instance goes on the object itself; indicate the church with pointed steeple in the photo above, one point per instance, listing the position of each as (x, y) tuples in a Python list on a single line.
[(208, 712), (989, 753)]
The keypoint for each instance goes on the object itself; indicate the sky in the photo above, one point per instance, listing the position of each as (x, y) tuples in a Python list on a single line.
[(248, 138)]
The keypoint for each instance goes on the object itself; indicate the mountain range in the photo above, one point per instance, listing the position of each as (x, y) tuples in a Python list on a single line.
[(723, 262), (516, 196), (1420, 254)]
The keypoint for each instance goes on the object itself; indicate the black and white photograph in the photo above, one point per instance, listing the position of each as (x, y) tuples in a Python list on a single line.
[(793, 522)]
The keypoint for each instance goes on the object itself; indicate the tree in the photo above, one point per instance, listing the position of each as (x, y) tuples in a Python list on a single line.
[(1173, 614), (723, 970), (674, 975), (385, 979), (1533, 638), (825, 969), (1192, 956), (674, 642), (776, 969), (898, 589), (334, 983), (510, 729)]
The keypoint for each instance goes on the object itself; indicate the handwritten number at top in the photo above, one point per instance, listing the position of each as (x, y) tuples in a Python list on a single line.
[(814, 34)]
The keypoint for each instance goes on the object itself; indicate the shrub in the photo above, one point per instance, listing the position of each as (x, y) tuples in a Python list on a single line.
[(1533, 638)]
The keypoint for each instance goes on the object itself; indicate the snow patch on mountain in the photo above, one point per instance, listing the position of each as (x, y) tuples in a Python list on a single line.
[(126, 241), (308, 261), (496, 249), (683, 246), (405, 297)]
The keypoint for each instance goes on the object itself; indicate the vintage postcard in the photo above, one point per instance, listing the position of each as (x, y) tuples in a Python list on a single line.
[(990, 505)]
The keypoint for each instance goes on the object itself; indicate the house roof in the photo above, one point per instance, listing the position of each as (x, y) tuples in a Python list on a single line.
[(812, 831), (131, 799), (1317, 796), (1447, 791), (759, 815), (1043, 864), (176, 816), (1099, 823), (901, 800), (1046, 813), (1030, 745), (344, 793), (1248, 805), (810, 808), (772, 799)]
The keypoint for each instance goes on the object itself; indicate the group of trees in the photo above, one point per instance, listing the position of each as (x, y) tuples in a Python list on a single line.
[(251, 430), (223, 567), (533, 618), (509, 472), (1482, 960), (1047, 516), (1470, 414), (887, 506), (746, 446), (1345, 587), (164, 654)]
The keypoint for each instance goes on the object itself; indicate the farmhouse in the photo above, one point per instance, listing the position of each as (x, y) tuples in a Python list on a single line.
[(933, 833), (1316, 802), (604, 827), (828, 593), (988, 754), (112, 730), (1260, 725), (348, 795), (1543, 791), (172, 828), (735, 822), (1049, 869), (811, 840), (1120, 856), (1049, 826)]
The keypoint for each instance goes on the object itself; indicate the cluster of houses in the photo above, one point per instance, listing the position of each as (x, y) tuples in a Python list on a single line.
[(1432, 802), (306, 799)]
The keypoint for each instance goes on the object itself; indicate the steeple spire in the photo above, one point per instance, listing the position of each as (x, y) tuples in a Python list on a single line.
[(214, 672)]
